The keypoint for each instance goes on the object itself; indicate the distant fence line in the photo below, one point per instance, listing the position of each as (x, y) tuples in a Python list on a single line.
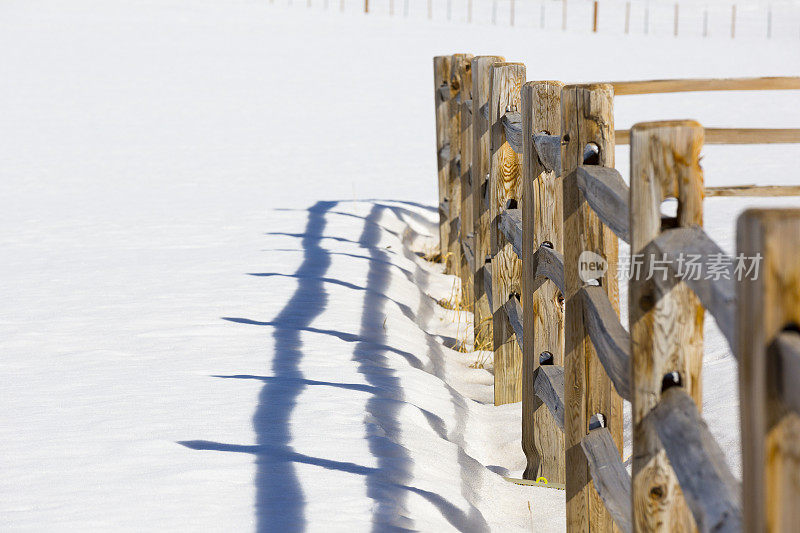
[(530, 202), (774, 20)]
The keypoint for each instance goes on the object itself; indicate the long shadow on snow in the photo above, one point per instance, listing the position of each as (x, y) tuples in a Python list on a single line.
[(278, 492)]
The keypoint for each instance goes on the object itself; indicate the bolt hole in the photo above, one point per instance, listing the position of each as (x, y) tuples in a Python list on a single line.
[(671, 379), (511, 204), (546, 358), (487, 260), (591, 154), (566, 137)]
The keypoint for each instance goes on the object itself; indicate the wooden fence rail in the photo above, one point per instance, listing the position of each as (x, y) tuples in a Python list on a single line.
[(557, 207)]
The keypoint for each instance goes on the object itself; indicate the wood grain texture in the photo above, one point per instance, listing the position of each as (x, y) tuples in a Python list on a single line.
[(542, 280), (505, 183), (607, 194), (481, 82), (718, 296), (754, 190), (738, 136), (548, 150), (705, 84), (510, 226), (711, 491), (612, 481), (514, 313), (587, 117), (611, 342), (786, 353), (666, 327), (441, 83), (464, 80), (548, 265), (453, 258), (512, 123), (548, 386), (768, 305)]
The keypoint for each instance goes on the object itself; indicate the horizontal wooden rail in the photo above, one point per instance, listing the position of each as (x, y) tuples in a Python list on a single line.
[(548, 149), (487, 278), (717, 296), (705, 84), (611, 342), (514, 312), (608, 195), (753, 190), (511, 227), (710, 490), (611, 481), (512, 122), (548, 385), (736, 136), (549, 264), (468, 247)]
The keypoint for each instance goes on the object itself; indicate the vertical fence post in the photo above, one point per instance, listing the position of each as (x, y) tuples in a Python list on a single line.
[(675, 30), (594, 17), (464, 79), (543, 319), (469, 11), (768, 303), (733, 21), (587, 116), (441, 83), (366, 6), (505, 183), (627, 17), (666, 325), (430, 9), (705, 22), (563, 15), (453, 254), (769, 21), (511, 13), (481, 157)]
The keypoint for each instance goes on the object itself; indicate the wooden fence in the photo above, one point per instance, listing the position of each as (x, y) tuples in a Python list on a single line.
[(539, 215)]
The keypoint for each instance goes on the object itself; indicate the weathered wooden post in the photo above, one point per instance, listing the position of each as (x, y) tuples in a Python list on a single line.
[(452, 258), (543, 318), (666, 325), (587, 121), (505, 183), (768, 349), (481, 83), (441, 87), (465, 270)]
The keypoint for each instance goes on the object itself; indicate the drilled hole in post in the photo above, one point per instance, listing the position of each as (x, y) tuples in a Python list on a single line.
[(669, 213), (511, 203), (591, 154), (546, 358), (671, 379), (487, 260), (566, 137)]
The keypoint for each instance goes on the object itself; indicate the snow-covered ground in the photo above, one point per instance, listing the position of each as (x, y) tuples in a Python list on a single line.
[(209, 323)]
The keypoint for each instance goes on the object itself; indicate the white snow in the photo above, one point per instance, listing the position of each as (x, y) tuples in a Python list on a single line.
[(207, 320)]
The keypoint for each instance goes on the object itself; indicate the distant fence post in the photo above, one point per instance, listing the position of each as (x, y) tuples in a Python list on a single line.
[(453, 254), (505, 183), (587, 120), (441, 84), (769, 306), (463, 77), (481, 157), (666, 325), (543, 318)]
